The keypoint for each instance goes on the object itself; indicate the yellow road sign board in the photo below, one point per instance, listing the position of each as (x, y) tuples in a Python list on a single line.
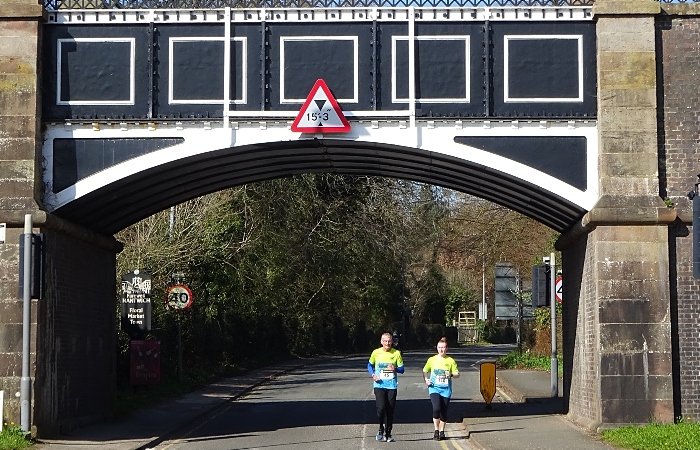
[(487, 381)]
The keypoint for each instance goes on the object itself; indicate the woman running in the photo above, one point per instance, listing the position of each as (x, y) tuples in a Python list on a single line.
[(438, 373)]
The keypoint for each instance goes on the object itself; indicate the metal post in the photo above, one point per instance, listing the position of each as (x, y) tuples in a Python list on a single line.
[(412, 66), (179, 349), (227, 66), (483, 316), (518, 299), (172, 222), (553, 308), (25, 393)]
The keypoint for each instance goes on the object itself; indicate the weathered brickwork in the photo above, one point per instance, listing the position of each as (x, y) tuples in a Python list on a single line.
[(580, 376), (688, 318), (76, 375), (678, 34)]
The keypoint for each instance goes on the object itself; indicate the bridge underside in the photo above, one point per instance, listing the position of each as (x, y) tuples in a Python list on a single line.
[(121, 203)]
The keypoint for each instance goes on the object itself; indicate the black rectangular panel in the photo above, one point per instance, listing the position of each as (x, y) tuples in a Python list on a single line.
[(198, 70), (447, 83), (330, 59), (94, 67), (198, 58), (442, 69), (75, 159), (562, 157), (95, 71), (307, 60), (542, 70)]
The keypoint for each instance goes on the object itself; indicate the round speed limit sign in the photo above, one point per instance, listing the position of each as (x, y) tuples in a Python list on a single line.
[(178, 297), (558, 285)]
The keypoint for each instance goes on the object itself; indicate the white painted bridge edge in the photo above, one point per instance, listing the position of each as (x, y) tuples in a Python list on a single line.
[(429, 135)]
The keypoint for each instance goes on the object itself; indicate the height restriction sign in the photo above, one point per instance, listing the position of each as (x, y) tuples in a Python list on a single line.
[(178, 297), (320, 113)]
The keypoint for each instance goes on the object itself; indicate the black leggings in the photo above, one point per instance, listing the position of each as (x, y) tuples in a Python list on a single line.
[(440, 405), (386, 400)]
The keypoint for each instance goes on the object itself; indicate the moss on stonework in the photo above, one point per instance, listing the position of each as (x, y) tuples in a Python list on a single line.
[(18, 82)]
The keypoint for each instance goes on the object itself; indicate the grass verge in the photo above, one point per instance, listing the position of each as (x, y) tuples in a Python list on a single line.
[(13, 438), (678, 436), (524, 360)]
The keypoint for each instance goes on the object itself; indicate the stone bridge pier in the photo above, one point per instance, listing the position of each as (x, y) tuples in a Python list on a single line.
[(618, 356), (73, 333)]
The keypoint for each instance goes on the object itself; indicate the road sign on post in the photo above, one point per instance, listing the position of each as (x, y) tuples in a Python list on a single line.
[(178, 297), (506, 284), (144, 358), (320, 112), (558, 285), (540, 285), (136, 304)]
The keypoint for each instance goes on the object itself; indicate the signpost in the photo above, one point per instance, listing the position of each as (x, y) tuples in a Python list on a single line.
[(554, 365), (320, 112), (136, 304), (178, 297)]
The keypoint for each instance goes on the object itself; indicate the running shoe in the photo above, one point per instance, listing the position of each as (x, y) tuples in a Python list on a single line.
[(436, 435), (390, 439), (380, 436), (442, 436)]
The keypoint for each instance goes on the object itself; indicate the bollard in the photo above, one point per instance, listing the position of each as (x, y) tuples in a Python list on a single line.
[(487, 381)]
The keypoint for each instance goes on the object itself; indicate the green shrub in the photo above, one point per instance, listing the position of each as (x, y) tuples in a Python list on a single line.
[(13, 438), (524, 360)]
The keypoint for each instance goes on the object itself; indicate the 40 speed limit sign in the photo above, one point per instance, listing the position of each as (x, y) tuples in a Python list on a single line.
[(178, 297)]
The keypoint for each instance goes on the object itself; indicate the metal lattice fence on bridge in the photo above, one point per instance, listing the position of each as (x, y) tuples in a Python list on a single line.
[(216, 4)]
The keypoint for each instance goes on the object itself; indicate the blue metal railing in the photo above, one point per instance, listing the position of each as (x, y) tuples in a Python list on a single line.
[(204, 4), (211, 4)]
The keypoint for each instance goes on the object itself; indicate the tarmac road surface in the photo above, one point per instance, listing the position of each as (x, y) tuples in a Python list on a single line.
[(330, 405)]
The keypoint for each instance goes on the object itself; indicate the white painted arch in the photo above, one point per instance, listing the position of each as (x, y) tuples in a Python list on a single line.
[(217, 155)]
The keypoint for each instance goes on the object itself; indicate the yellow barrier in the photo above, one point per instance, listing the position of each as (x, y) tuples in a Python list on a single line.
[(487, 382)]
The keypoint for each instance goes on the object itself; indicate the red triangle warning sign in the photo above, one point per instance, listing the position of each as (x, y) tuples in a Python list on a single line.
[(320, 113)]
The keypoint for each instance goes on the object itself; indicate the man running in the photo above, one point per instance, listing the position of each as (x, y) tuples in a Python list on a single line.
[(384, 363)]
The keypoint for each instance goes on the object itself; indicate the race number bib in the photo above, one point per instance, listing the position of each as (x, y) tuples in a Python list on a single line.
[(441, 380), (387, 375)]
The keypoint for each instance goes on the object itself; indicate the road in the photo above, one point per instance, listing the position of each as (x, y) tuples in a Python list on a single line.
[(330, 405)]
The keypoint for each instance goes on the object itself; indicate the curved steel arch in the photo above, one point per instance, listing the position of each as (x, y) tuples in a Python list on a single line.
[(134, 197)]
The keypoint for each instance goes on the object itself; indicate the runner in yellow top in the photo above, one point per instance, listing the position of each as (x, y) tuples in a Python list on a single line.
[(384, 363), (438, 373)]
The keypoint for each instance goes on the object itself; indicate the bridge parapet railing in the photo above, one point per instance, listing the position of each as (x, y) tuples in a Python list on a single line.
[(217, 4), (55, 5)]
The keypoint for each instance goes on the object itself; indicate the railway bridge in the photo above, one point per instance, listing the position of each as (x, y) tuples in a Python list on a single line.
[(581, 115)]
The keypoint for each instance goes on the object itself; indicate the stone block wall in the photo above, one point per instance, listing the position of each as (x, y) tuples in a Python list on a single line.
[(20, 28), (73, 331), (619, 328), (678, 68)]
